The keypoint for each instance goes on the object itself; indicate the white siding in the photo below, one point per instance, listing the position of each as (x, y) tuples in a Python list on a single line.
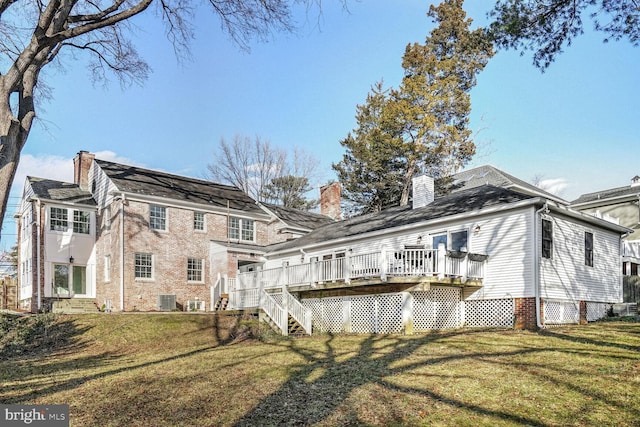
[(103, 186), (506, 237), (508, 240), (565, 276)]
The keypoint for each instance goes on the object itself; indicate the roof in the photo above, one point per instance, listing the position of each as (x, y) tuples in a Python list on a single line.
[(64, 192), (147, 182), (489, 175), (297, 218), (605, 195), (459, 202)]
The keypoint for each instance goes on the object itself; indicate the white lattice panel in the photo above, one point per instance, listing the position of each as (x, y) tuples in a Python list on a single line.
[(327, 314), (437, 308), (561, 312), (597, 310), (390, 314), (497, 313), (364, 314)]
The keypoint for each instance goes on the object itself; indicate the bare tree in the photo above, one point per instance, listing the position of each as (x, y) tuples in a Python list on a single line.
[(256, 165), (34, 33)]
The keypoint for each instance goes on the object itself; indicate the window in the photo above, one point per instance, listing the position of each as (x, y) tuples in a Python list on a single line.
[(438, 239), (547, 238), (198, 221), (58, 220), (588, 248), (107, 218), (241, 229), (81, 222), (107, 268), (144, 266), (194, 270), (459, 240), (158, 217)]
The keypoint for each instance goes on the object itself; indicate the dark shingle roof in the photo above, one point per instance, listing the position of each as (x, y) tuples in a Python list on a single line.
[(298, 218), (60, 191), (489, 175), (136, 180), (607, 194), (460, 202)]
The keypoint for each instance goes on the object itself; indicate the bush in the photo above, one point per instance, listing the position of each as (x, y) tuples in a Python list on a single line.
[(31, 334)]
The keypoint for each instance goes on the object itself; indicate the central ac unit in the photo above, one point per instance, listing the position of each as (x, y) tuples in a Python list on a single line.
[(166, 302)]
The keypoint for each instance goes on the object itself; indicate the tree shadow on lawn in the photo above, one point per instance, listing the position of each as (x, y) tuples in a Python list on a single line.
[(306, 399), (318, 387)]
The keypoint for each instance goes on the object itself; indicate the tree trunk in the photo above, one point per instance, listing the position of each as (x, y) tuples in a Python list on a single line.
[(406, 187)]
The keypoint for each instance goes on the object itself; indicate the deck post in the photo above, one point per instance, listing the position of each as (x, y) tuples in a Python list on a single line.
[(464, 268), (384, 265), (442, 260), (346, 268), (285, 308)]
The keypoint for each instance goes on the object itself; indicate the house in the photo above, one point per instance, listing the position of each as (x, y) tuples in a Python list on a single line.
[(492, 251), (622, 206), (127, 238)]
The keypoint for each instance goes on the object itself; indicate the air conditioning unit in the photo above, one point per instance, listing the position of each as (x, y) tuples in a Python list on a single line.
[(166, 302), (195, 306)]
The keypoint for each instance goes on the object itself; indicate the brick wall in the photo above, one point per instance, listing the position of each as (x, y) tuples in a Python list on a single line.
[(525, 313), (170, 249)]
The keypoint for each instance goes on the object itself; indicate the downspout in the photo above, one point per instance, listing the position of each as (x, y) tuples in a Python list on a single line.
[(537, 270), (122, 201), (37, 224)]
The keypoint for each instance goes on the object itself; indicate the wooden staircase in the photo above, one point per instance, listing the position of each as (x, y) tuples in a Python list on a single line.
[(222, 303), (295, 328)]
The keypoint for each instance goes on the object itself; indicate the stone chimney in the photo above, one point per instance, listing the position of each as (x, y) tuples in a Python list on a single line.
[(423, 191), (81, 165), (330, 201)]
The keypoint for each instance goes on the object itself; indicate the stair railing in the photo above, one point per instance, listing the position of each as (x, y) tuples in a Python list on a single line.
[(275, 312), (215, 292), (299, 312)]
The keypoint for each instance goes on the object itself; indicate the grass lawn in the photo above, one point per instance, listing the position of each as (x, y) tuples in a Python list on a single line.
[(196, 370)]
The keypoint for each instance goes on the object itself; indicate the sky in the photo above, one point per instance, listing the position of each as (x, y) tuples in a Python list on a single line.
[(574, 128)]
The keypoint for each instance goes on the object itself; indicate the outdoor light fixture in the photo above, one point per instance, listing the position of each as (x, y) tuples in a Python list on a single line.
[(477, 229), (71, 260)]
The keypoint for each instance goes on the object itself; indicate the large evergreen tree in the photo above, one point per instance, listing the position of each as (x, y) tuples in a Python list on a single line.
[(423, 125)]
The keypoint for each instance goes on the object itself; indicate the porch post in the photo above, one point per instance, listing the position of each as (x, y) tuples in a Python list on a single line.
[(285, 308), (384, 265), (442, 260), (347, 267)]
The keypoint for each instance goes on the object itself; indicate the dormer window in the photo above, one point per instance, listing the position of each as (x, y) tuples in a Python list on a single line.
[(635, 181)]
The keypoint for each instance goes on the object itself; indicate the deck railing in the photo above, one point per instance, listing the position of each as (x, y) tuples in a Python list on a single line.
[(256, 289)]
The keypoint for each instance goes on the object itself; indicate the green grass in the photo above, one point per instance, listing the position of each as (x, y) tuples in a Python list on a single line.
[(201, 370)]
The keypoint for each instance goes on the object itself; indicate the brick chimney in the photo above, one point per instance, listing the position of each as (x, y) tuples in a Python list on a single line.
[(81, 165), (330, 201), (423, 191)]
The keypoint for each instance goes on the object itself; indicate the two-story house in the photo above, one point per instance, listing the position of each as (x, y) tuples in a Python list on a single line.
[(127, 238)]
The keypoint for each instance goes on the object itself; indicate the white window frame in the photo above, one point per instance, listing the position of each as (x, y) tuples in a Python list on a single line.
[(241, 229), (107, 268), (137, 265), (197, 220), (81, 222), (449, 235), (154, 218), (192, 269), (62, 222)]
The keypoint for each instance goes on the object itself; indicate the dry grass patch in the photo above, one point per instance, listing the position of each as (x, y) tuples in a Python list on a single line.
[(204, 370)]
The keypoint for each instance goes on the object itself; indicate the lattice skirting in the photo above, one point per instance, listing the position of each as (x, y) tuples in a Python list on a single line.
[(597, 310), (494, 313), (561, 312), (438, 308)]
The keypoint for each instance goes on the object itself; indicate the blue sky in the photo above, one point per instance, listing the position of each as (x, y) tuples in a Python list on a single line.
[(576, 126)]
